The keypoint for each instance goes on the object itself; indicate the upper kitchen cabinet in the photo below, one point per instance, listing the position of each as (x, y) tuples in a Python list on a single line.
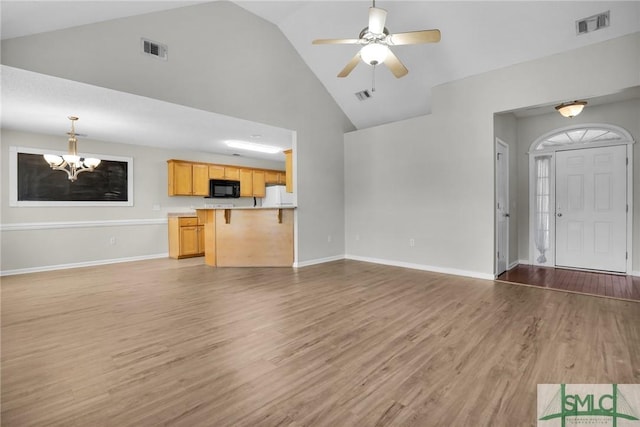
[(231, 172), (216, 172), (192, 178), (246, 183), (200, 175), (259, 184), (274, 177), (288, 163), (188, 179)]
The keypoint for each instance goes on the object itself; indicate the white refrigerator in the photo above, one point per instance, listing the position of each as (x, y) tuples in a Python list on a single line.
[(276, 195)]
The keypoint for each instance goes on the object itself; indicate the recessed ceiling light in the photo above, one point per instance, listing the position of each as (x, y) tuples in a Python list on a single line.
[(252, 146), (256, 136)]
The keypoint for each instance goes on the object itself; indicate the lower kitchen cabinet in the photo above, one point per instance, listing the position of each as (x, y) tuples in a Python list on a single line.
[(186, 237)]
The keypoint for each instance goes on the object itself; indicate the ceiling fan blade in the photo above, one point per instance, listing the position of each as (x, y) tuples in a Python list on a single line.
[(350, 66), (397, 68), (377, 18), (415, 37), (336, 41)]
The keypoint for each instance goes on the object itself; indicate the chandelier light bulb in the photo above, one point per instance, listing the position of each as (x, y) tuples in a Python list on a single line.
[(53, 159), (91, 162)]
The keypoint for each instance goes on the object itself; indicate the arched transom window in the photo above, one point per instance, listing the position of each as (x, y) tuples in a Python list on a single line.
[(580, 136)]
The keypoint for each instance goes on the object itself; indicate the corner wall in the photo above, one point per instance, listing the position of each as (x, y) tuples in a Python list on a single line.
[(432, 178)]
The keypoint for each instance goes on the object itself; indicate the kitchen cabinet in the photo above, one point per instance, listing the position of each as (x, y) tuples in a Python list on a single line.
[(231, 172), (192, 178), (259, 184), (288, 163), (274, 177), (216, 172), (271, 177), (246, 183), (186, 237), (200, 176), (180, 179), (188, 179)]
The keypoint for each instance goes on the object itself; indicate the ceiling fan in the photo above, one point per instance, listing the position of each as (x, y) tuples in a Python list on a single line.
[(376, 40)]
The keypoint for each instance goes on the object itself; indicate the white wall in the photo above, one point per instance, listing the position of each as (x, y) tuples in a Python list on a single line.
[(432, 177), (31, 238), (254, 75), (625, 114)]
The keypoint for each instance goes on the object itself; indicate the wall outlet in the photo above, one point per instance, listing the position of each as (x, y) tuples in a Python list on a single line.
[(329, 238), (357, 237), (155, 207), (112, 240), (412, 242)]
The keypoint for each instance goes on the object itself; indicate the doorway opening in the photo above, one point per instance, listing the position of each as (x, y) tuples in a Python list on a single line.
[(502, 207), (580, 199)]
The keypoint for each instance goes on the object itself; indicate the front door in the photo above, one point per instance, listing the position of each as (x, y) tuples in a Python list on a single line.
[(591, 208)]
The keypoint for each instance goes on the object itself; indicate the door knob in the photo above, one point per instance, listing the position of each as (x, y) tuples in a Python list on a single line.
[(506, 215), (559, 213)]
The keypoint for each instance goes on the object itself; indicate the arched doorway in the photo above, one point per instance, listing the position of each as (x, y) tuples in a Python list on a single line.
[(580, 198)]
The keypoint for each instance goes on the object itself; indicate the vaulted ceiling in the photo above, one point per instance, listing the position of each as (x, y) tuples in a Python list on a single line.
[(477, 36)]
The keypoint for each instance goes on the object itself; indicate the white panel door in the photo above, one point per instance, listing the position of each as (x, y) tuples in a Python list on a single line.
[(502, 207), (591, 208)]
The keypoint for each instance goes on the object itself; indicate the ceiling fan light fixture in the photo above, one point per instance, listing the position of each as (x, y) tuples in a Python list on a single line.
[(571, 109), (374, 53)]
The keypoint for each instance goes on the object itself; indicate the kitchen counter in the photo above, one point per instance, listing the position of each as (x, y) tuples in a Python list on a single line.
[(248, 236)]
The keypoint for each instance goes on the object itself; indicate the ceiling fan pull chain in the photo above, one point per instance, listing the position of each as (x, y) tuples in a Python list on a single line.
[(373, 78)]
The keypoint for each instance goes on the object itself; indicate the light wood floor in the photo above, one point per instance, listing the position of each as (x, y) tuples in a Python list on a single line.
[(347, 343)]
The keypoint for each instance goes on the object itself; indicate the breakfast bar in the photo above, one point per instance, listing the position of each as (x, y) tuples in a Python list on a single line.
[(248, 237)]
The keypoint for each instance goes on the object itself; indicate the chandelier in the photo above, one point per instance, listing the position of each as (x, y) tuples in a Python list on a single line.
[(71, 163)]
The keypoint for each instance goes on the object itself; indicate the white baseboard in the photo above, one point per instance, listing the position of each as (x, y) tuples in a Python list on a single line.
[(318, 261), (635, 273), (80, 264), (423, 267)]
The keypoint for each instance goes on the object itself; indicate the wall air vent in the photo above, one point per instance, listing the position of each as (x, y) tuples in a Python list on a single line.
[(155, 49), (592, 23), (363, 95)]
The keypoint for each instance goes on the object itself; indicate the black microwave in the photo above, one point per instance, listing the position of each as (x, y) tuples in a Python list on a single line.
[(224, 188)]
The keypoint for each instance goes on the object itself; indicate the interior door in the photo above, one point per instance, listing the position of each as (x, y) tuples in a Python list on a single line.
[(591, 208), (502, 207)]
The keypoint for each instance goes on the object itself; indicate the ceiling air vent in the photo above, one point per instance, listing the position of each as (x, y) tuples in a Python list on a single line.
[(592, 23), (154, 49), (363, 95)]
